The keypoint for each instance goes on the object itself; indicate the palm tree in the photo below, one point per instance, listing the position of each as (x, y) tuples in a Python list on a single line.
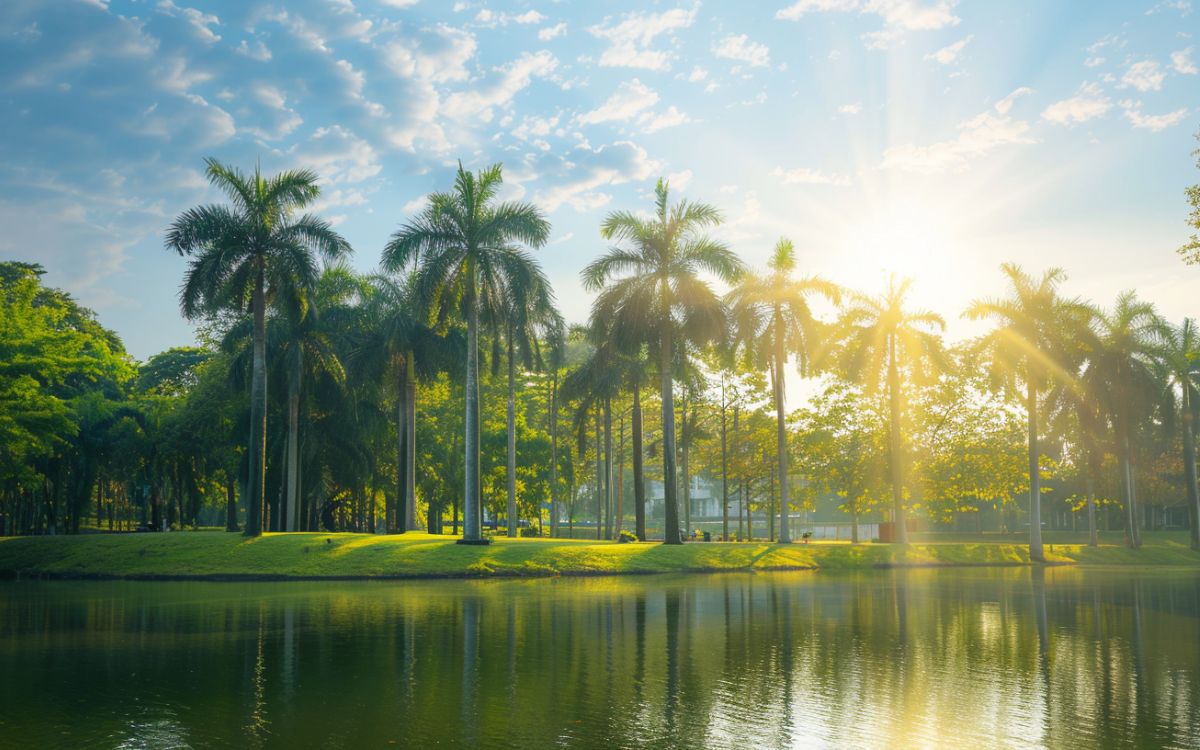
[(240, 255), (882, 337), (1181, 357), (772, 321), (1124, 374), (462, 248), (592, 386), (652, 293), (530, 319), (1030, 347)]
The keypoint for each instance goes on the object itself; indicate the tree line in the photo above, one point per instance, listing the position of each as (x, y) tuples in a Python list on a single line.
[(446, 388)]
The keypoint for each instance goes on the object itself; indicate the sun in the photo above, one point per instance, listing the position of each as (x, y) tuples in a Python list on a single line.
[(906, 237)]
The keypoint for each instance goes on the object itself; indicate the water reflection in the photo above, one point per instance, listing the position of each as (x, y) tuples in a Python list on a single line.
[(972, 658)]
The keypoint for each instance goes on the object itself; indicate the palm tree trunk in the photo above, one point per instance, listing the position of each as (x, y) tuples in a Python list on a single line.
[(472, 530), (608, 470), (1189, 467), (599, 477), (620, 514), (670, 494), (395, 513), (737, 436), (639, 469), (897, 462), (511, 514), (1093, 537), (293, 446), (410, 444), (1131, 532), (256, 494), (781, 441), (1035, 476), (231, 519), (687, 477), (724, 470), (554, 453)]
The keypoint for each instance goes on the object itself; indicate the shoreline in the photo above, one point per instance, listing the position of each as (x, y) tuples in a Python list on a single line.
[(226, 557)]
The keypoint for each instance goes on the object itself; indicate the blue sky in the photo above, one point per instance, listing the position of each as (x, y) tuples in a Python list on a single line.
[(930, 137)]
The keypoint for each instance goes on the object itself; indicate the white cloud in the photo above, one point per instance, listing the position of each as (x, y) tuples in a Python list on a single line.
[(1183, 6), (550, 32), (850, 109), (680, 180), (537, 127), (338, 155), (898, 16), (438, 55), (948, 54), (257, 51), (416, 205), (588, 170), (668, 118), (200, 22), (1005, 105), (631, 40), (740, 47), (489, 18), (977, 138), (1153, 123), (512, 77), (1181, 61), (630, 98), (807, 176), (1093, 62), (698, 74), (1087, 104), (1144, 76)]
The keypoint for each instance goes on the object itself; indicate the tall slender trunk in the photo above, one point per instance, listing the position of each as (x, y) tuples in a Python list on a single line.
[(410, 444), (1131, 530), (620, 514), (687, 477), (293, 444), (1089, 486), (608, 469), (599, 475), (1035, 479), (511, 514), (395, 513), (554, 453), (472, 526), (256, 488), (1189, 467), (724, 470), (897, 444), (737, 436), (639, 469), (231, 519), (670, 493), (781, 441)]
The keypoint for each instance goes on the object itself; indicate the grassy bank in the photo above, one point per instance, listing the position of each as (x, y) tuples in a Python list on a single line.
[(221, 555)]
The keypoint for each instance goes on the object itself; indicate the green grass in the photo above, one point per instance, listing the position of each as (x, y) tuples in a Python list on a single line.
[(220, 555)]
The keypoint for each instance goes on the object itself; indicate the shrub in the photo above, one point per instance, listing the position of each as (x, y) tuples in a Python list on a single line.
[(626, 536)]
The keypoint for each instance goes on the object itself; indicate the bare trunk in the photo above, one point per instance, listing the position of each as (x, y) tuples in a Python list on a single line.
[(472, 522), (395, 512), (897, 445), (231, 520), (620, 514), (687, 477), (511, 514), (554, 454), (256, 487), (670, 493), (608, 470), (293, 444), (639, 469), (410, 444), (724, 470), (781, 442), (1189, 467), (1035, 478)]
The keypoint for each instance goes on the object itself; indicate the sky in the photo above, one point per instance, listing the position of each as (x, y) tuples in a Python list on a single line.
[(929, 138)]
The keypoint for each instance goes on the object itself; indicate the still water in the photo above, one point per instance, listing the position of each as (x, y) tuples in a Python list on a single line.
[(923, 658)]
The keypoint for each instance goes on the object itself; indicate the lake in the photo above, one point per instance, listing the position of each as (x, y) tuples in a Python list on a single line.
[(1000, 657)]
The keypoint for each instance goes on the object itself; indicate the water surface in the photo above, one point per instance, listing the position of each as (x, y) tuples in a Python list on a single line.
[(924, 658)]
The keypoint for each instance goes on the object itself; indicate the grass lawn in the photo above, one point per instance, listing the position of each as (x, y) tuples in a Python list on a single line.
[(214, 554)]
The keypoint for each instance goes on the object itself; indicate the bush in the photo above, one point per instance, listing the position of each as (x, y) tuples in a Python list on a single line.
[(529, 531), (626, 537)]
